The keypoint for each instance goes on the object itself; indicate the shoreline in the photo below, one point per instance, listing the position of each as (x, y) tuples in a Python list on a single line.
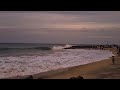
[(88, 71), (64, 73)]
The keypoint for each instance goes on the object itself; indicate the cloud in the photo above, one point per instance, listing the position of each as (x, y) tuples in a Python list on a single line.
[(70, 20), (55, 26)]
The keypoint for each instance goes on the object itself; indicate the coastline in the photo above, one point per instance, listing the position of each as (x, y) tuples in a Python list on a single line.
[(87, 71)]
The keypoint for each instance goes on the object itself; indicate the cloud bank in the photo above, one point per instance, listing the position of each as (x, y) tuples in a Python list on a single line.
[(60, 26)]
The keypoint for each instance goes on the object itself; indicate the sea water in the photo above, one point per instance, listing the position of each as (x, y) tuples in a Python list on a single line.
[(27, 59)]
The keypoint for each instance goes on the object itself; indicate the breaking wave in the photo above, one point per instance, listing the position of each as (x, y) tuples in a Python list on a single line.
[(61, 47)]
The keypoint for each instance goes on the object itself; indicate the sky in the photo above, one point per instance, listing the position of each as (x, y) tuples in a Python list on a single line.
[(73, 27)]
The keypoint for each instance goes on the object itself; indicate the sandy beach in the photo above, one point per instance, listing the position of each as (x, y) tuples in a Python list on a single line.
[(98, 70)]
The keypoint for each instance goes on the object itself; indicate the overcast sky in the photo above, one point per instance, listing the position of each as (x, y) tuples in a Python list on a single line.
[(60, 27)]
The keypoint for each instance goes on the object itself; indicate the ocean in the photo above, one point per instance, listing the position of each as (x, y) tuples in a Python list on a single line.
[(19, 59)]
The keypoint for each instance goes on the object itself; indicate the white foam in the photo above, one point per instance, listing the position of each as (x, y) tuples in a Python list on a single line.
[(61, 47), (26, 65)]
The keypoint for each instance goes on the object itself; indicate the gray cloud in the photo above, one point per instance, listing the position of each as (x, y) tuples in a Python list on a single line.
[(45, 19), (60, 27)]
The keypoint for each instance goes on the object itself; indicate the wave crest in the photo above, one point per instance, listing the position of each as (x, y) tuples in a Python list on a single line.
[(61, 47)]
